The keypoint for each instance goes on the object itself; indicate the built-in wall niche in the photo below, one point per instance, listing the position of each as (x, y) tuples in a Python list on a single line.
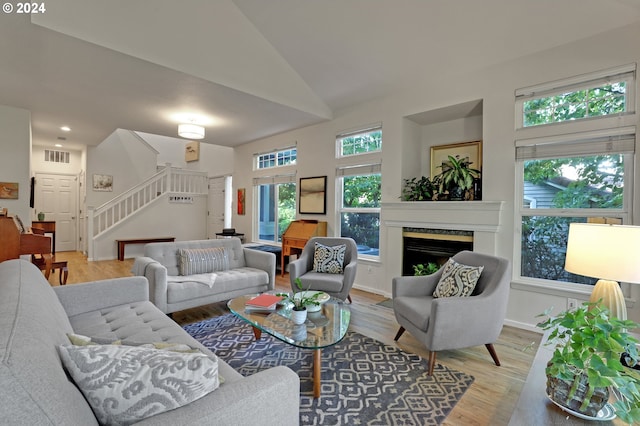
[(456, 123)]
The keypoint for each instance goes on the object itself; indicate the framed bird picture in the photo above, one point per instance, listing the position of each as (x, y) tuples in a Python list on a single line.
[(192, 151)]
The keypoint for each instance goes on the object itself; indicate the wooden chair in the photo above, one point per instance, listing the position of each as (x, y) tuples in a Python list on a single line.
[(41, 263)]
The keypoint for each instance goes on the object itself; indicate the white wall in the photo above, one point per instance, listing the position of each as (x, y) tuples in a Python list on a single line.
[(160, 219), (123, 156), (495, 86), (38, 165), (214, 159), (15, 163)]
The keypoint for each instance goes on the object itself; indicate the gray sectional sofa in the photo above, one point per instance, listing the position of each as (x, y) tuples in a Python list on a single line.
[(250, 271), (35, 319)]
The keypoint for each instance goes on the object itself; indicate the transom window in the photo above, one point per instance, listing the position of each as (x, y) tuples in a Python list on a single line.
[(283, 157), (358, 142), (595, 95)]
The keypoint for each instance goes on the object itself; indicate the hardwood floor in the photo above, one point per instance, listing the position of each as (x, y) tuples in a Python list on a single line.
[(489, 401)]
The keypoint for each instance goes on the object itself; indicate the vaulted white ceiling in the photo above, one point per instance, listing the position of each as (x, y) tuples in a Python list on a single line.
[(255, 68)]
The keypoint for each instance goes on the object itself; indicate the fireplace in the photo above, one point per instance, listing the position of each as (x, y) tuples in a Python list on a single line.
[(425, 245)]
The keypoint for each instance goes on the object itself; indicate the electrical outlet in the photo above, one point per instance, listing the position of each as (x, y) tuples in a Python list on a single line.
[(369, 270), (572, 304)]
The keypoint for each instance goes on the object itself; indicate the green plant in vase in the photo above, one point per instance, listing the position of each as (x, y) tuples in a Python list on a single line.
[(586, 361), (457, 177), (305, 298)]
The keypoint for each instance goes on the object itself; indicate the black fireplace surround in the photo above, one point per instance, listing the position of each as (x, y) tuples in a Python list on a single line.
[(423, 245)]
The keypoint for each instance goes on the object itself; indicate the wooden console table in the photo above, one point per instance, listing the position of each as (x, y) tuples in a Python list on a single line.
[(123, 243), (534, 408)]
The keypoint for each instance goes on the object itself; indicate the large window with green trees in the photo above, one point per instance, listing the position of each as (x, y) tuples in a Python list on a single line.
[(585, 179), (570, 169), (276, 207), (360, 193)]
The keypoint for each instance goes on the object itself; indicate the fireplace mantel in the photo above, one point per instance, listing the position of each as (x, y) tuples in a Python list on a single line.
[(481, 216)]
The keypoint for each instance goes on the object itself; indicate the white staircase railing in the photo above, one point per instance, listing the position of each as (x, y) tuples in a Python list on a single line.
[(167, 181)]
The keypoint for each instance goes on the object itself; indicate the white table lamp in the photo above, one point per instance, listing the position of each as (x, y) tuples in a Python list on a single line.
[(610, 253)]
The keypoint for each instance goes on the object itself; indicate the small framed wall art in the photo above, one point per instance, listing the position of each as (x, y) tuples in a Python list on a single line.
[(9, 190), (103, 183), (313, 195), (241, 206), (192, 151)]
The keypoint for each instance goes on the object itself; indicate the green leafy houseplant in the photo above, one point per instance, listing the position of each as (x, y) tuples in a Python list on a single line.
[(420, 189), (422, 269), (456, 176), (305, 299), (589, 345)]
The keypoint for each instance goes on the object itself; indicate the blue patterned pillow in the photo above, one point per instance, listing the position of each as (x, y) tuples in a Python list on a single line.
[(203, 260), (457, 280), (329, 259)]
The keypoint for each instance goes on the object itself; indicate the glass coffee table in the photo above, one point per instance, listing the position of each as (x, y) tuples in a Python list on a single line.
[(322, 329)]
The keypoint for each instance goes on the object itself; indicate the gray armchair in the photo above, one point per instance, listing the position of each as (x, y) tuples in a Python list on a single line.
[(336, 285), (454, 322)]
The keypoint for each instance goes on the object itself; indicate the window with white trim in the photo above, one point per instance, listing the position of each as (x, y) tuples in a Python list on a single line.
[(584, 178), (600, 94), (359, 192), (279, 158), (275, 198), (363, 141)]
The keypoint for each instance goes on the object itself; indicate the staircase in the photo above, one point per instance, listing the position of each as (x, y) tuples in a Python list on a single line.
[(169, 181)]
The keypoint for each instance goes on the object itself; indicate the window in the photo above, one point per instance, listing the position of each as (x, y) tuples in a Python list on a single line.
[(283, 157), (595, 95), (276, 206), (360, 192), (363, 141), (573, 178)]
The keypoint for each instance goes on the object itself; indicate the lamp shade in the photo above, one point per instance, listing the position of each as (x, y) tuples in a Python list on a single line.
[(610, 252), (190, 131)]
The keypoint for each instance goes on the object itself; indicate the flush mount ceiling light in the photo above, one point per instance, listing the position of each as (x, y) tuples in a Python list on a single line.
[(65, 128), (190, 131)]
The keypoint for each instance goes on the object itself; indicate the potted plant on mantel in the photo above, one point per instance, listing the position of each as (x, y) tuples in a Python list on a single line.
[(586, 362), (457, 177), (422, 189)]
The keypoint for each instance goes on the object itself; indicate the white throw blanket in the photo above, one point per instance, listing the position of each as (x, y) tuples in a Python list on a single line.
[(206, 279)]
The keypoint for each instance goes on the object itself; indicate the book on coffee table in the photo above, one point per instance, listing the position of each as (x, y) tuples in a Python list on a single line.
[(263, 302)]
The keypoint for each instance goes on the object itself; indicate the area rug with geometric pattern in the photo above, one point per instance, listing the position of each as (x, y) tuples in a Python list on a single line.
[(364, 382)]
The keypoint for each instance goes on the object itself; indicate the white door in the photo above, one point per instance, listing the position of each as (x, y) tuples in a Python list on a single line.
[(216, 206), (56, 197)]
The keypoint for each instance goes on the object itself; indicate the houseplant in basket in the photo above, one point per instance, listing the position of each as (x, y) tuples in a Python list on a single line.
[(586, 362)]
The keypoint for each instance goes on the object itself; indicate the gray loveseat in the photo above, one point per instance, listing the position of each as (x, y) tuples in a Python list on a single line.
[(35, 390), (250, 271)]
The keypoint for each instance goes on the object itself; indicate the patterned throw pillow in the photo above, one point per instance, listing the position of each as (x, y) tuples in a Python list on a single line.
[(203, 261), (125, 384), (329, 259), (457, 280)]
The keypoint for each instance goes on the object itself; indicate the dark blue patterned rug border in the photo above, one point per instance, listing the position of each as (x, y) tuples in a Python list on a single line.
[(364, 382)]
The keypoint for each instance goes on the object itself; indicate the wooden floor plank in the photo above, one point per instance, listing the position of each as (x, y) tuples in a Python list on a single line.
[(489, 401)]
